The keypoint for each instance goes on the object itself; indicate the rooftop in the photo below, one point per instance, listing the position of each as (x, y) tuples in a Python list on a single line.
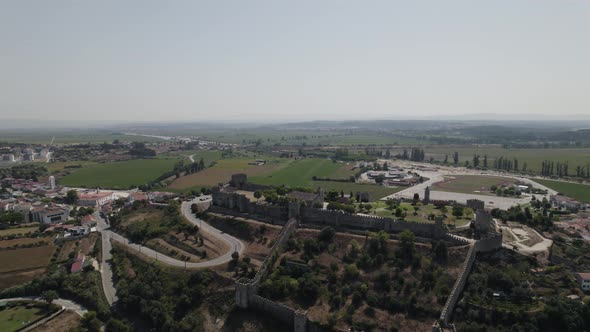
[(302, 196)]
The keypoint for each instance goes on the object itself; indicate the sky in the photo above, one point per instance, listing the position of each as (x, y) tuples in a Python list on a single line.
[(272, 61)]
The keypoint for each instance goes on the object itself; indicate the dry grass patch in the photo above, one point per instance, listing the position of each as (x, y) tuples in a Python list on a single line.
[(11, 279), (21, 259), (65, 322)]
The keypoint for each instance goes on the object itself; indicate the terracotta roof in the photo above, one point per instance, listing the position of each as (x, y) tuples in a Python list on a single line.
[(585, 276), (95, 195)]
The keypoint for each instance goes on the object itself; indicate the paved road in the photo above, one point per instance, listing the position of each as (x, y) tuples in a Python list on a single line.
[(491, 201), (66, 304), (106, 271), (233, 244)]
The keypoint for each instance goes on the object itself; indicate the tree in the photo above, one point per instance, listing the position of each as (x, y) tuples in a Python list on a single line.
[(90, 322), (115, 325), (49, 296), (257, 194), (327, 234), (351, 272), (455, 158), (407, 246), (71, 196), (458, 211)]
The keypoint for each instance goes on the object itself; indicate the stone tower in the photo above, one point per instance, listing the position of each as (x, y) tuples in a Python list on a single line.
[(426, 196)]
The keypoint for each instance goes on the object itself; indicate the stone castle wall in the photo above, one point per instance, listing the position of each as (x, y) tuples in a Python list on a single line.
[(489, 243), (238, 205)]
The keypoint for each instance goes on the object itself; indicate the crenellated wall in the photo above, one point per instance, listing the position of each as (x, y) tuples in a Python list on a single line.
[(246, 289), (490, 243), (238, 205)]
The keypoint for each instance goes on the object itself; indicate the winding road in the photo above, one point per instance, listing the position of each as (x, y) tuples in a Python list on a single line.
[(66, 304), (106, 272)]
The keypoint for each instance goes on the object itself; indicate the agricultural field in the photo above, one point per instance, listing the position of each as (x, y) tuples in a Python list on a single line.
[(578, 191), (71, 137), (471, 184), (15, 318), (119, 175), (63, 166), (25, 242), (222, 171), (17, 231), (299, 173), (15, 278), (11, 260), (208, 156), (532, 157)]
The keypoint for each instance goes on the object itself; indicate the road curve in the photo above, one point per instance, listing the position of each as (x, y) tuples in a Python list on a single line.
[(66, 304), (234, 244)]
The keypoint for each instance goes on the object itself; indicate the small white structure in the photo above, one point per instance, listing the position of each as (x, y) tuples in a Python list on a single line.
[(584, 280), (52, 182)]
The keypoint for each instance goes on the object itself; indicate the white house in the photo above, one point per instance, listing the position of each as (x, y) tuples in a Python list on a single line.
[(584, 280)]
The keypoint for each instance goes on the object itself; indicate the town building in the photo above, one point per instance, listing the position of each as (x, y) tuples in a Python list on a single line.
[(52, 182), (95, 198), (8, 158), (564, 202), (584, 280), (78, 264), (50, 214)]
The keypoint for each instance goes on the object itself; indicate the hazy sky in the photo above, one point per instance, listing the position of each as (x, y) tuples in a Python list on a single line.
[(297, 60)]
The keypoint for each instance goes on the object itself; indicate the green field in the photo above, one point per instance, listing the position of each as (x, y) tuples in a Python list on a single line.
[(581, 192), (16, 318), (208, 156), (300, 173), (119, 175), (533, 157), (69, 137), (469, 184)]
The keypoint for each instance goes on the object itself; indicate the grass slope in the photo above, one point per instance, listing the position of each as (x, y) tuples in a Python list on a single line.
[(581, 192), (119, 175)]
